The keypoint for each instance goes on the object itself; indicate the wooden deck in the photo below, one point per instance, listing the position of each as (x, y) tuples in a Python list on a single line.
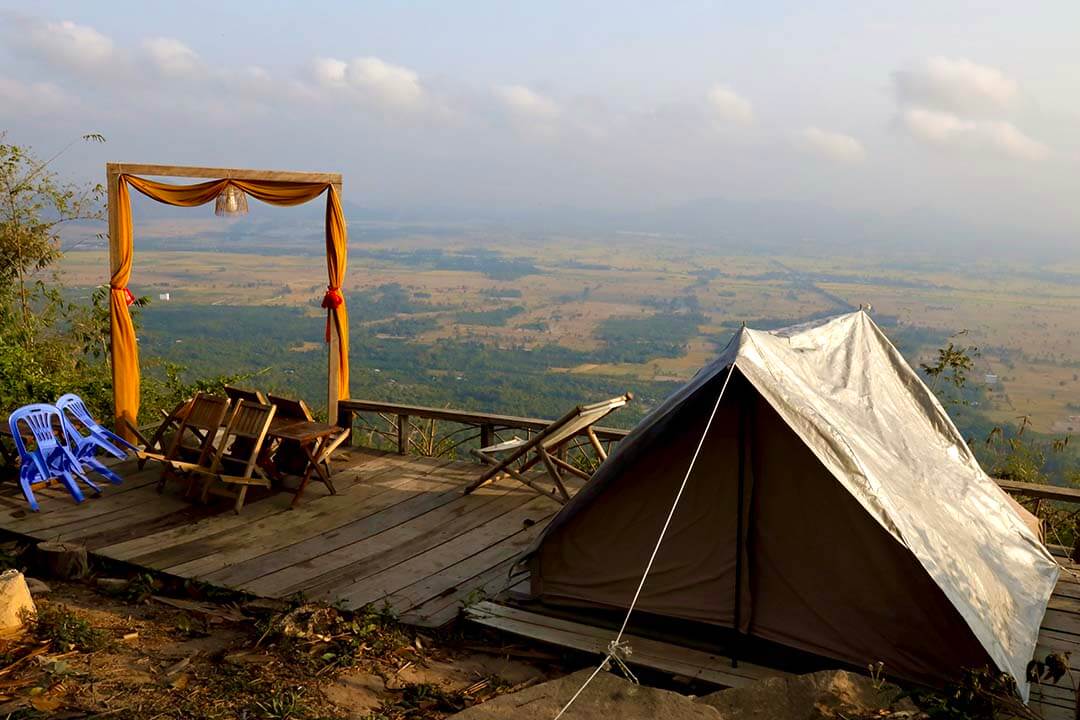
[(1060, 633), (647, 652), (399, 531)]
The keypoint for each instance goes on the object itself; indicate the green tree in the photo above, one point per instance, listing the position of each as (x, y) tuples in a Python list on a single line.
[(1016, 456), (1011, 452), (40, 355), (35, 205), (48, 345), (952, 365)]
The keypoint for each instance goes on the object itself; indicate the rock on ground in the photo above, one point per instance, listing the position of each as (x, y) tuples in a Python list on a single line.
[(608, 697), (825, 695), (37, 587)]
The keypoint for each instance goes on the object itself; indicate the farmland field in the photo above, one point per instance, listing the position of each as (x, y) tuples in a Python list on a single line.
[(527, 324)]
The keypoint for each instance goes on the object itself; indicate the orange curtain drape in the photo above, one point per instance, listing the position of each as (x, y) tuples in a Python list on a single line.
[(125, 353)]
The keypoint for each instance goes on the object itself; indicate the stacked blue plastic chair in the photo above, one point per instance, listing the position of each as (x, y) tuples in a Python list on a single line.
[(49, 459), (85, 447)]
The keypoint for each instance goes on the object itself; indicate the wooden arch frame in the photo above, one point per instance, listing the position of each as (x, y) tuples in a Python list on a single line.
[(114, 171)]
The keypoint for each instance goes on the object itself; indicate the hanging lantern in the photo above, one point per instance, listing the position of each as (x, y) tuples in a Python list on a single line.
[(231, 201)]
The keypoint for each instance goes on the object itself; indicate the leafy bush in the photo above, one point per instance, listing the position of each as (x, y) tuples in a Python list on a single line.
[(980, 693), (65, 628)]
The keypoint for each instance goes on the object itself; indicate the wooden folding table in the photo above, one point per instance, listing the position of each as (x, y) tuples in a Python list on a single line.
[(315, 439)]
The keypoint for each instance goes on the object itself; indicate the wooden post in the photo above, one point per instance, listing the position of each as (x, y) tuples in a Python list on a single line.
[(1075, 554), (345, 419), (487, 434), (111, 175), (64, 561), (332, 397), (403, 434), (332, 372)]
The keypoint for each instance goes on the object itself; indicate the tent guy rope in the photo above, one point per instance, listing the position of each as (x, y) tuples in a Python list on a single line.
[(618, 649)]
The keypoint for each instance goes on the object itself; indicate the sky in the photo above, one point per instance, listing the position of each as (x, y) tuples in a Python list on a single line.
[(967, 111)]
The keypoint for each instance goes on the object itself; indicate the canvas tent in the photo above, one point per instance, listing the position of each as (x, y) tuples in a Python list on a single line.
[(834, 508)]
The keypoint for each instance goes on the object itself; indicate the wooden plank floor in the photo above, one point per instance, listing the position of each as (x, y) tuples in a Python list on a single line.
[(399, 531), (1060, 632), (646, 652)]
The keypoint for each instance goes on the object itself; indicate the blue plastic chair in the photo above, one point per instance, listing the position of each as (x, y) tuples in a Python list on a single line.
[(85, 447), (49, 459)]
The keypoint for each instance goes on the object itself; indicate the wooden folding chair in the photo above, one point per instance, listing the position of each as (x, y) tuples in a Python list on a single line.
[(237, 394), (289, 409), (201, 422), (238, 451), (289, 456), (158, 442), (545, 447)]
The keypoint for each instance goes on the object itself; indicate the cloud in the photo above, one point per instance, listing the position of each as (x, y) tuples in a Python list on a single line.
[(172, 57), (375, 80), (254, 80), (955, 85), (31, 99), (832, 145), (935, 126), (330, 72), (729, 106), (533, 114), (87, 59), (527, 103), (1007, 138), (393, 84), (68, 44), (941, 128), (958, 103)]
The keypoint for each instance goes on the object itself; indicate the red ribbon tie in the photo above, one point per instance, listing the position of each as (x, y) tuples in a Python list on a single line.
[(332, 300)]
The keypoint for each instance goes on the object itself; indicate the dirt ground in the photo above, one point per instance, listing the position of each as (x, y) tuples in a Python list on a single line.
[(143, 648)]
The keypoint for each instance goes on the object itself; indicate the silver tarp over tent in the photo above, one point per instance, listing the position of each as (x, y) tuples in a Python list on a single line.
[(834, 508)]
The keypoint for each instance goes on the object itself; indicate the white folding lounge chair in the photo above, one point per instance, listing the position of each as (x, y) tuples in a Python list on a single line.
[(545, 447)]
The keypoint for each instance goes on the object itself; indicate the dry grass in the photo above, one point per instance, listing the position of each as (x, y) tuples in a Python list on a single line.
[(95, 655)]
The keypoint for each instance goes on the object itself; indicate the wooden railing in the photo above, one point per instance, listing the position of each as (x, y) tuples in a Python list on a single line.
[(444, 432), (1051, 498)]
